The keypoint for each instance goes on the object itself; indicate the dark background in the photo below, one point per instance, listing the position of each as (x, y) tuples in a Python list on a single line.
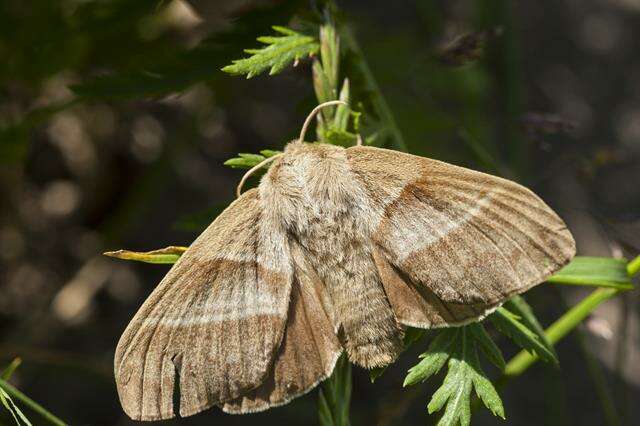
[(133, 159)]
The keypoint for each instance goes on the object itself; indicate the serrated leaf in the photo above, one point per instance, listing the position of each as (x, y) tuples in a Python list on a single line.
[(455, 392), (167, 255), (487, 345), (175, 71), (485, 389), (278, 54), (521, 308), (463, 375), (511, 325), (434, 358), (594, 271)]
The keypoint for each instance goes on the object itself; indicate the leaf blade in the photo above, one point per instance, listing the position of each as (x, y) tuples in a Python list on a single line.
[(594, 271), (167, 255), (433, 359), (509, 324), (279, 52)]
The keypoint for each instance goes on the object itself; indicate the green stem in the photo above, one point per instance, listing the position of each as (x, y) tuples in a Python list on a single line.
[(559, 329), (569, 321), (380, 104), (633, 267), (335, 396), (16, 394)]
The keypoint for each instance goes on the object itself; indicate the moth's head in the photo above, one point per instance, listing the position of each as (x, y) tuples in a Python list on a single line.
[(300, 162)]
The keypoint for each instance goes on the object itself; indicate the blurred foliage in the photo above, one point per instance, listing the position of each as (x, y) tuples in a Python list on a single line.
[(461, 102), (86, 38), (459, 346)]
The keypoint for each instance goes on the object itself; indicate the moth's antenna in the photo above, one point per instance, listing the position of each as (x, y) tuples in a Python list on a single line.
[(252, 171), (306, 124), (312, 114)]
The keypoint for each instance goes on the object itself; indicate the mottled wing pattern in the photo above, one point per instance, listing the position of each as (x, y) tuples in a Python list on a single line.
[(214, 325), (452, 244)]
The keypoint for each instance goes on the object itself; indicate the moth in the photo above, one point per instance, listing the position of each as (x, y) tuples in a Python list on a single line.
[(337, 250)]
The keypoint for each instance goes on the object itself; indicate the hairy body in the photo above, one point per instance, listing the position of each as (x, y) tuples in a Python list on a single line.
[(336, 250), (325, 209)]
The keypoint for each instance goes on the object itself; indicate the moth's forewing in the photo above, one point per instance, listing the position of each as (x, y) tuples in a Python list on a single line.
[(461, 241), (213, 326)]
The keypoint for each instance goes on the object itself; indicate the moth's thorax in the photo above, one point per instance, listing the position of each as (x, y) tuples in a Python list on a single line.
[(313, 184)]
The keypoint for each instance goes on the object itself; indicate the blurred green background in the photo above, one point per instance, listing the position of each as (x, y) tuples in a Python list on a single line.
[(115, 120)]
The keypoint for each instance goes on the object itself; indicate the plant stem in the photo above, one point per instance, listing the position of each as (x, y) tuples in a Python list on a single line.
[(570, 320), (380, 104), (559, 329), (335, 395), (16, 394)]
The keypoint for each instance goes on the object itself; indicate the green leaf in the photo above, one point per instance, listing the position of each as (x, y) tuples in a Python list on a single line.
[(485, 389), (487, 345), (280, 51), (521, 308), (595, 271), (167, 255), (269, 153), (411, 336), (464, 374), (434, 358), (340, 137), (511, 325), (247, 161), (173, 71)]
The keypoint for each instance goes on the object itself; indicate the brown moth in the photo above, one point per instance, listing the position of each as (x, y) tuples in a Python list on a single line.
[(336, 250)]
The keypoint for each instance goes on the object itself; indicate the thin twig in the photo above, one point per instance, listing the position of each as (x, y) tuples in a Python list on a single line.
[(37, 408)]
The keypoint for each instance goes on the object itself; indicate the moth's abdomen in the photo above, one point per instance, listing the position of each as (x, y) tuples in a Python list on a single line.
[(368, 328)]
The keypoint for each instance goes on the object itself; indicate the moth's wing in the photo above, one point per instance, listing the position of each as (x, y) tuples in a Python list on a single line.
[(451, 244), (309, 351), (214, 323)]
